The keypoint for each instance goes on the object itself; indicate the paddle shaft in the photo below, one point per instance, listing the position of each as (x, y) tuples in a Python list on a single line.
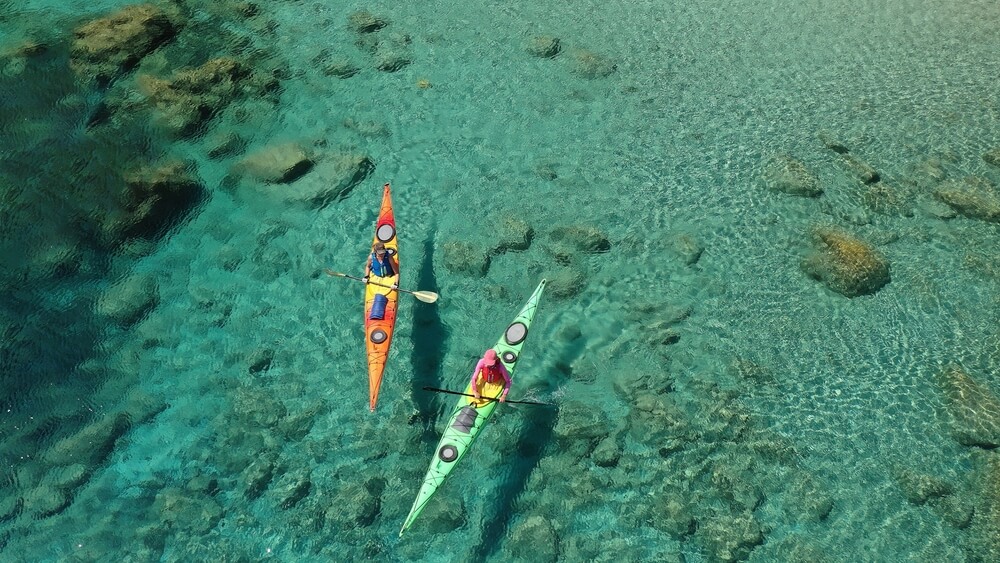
[(425, 296), (436, 390), (371, 282)]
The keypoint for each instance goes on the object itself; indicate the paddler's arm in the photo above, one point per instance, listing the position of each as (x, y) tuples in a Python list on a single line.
[(475, 375), (368, 268), (506, 381), (395, 268)]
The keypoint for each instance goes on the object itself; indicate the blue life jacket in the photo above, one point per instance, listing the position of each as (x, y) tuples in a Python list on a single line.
[(383, 268)]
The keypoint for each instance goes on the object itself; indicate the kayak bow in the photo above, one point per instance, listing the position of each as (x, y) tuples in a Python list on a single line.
[(378, 333), (470, 414)]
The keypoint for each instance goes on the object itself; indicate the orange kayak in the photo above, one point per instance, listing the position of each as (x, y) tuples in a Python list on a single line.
[(378, 333)]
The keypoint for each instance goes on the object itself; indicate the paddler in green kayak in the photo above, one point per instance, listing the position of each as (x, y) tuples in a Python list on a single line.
[(489, 370)]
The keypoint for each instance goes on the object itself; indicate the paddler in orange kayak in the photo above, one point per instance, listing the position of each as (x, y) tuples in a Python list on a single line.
[(382, 264)]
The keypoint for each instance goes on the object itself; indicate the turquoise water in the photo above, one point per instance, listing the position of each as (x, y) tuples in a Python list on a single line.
[(714, 401)]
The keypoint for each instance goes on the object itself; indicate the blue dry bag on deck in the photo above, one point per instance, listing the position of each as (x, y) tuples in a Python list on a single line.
[(378, 307)]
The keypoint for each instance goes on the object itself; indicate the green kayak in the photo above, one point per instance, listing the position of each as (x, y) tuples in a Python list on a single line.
[(470, 414)]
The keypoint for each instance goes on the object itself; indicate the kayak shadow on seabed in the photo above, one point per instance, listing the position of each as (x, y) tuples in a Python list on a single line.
[(429, 338), (534, 435)]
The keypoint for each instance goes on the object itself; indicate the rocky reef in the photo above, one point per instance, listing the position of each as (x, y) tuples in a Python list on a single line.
[(108, 46), (185, 101)]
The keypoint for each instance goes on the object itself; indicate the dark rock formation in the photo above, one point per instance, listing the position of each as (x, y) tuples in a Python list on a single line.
[(105, 47), (190, 98)]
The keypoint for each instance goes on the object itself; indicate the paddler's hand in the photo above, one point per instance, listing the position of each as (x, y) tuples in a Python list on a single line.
[(503, 398), (394, 286), (478, 396), (365, 279)]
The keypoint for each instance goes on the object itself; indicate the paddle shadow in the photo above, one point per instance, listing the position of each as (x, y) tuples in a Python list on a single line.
[(430, 337)]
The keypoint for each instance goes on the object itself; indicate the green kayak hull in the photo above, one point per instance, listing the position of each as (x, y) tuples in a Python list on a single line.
[(470, 414)]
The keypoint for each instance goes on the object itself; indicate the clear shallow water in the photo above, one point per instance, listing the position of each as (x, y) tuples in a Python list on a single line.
[(672, 143)]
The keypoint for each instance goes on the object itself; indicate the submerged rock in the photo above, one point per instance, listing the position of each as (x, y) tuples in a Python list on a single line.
[(260, 360), (861, 169), (340, 68), (607, 453), (674, 514), (104, 47), (992, 156), (730, 537), (686, 248), (57, 260), (974, 409), (440, 517), (466, 258), (191, 97), (833, 143), (372, 129), (202, 483), (534, 539), (277, 164), (513, 234), (936, 209), (795, 548), (154, 199), (92, 444), (257, 477), (25, 49), (591, 65), (734, 480), (45, 500), (353, 506), (543, 46), (918, 488), (579, 421), (847, 264), (391, 61), (225, 144), (297, 426), (956, 510), (583, 238), (806, 501), (11, 506), (68, 477), (983, 535), (362, 21), (565, 282), (973, 197), (130, 299), (784, 173), (888, 200), (291, 488), (187, 511)]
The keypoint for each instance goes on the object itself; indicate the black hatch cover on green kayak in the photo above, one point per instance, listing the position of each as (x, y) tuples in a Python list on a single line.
[(465, 419), (448, 453)]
